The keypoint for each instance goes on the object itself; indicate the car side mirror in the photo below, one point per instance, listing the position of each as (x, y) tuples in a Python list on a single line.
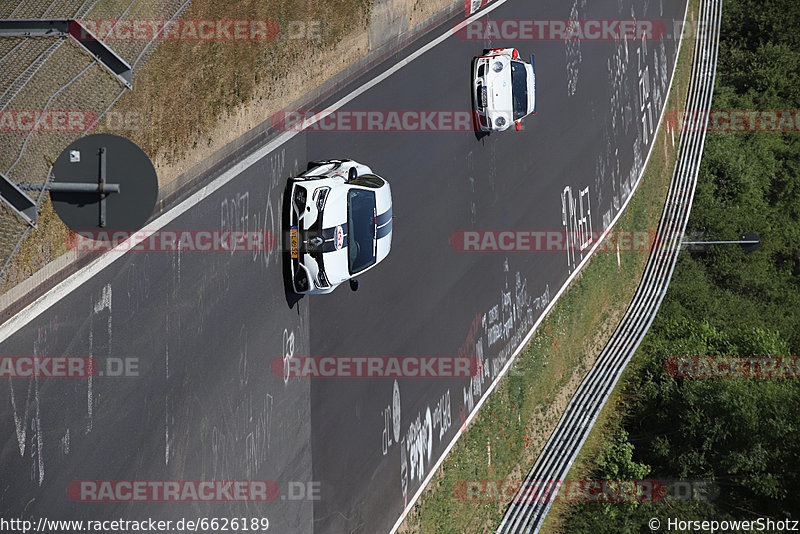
[(518, 125), (352, 174), (353, 284)]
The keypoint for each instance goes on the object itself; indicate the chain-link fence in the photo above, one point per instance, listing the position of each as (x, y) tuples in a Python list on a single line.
[(43, 76)]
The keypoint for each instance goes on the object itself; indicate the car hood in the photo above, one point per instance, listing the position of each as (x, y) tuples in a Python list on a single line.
[(498, 86), (336, 265), (335, 212)]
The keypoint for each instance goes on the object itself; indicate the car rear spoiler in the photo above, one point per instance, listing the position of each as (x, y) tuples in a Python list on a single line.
[(533, 68)]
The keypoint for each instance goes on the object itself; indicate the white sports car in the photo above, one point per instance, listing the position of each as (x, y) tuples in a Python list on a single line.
[(504, 89), (340, 224)]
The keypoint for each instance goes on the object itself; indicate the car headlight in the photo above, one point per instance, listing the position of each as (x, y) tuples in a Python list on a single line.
[(322, 197), (497, 66), (300, 196), (500, 121), (301, 280)]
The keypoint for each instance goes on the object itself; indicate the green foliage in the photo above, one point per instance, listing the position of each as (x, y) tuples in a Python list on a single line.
[(737, 432), (750, 182), (617, 463)]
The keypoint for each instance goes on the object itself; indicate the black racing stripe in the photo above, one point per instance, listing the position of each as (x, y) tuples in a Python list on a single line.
[(383, 218), (330, 246), (384, 230)]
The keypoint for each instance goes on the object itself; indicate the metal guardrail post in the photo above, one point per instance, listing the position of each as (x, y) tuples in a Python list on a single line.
[(75, 29), (17, 200)]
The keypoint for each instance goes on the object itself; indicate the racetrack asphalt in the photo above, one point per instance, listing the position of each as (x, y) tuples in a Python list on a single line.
[(203, 329)]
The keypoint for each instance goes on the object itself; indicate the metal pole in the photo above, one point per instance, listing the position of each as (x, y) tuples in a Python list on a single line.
[(748, 241), (719, 242), (64, 187)]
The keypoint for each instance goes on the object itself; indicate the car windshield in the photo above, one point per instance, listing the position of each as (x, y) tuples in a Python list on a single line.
[(360, 229), (519, 85)]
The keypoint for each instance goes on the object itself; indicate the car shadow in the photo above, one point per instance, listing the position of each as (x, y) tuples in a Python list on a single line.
[(292, 297), (476, 127), (481, 135)]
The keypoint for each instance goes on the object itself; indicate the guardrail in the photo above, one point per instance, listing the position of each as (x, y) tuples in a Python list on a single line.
[(527, 511), (43, 73)]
